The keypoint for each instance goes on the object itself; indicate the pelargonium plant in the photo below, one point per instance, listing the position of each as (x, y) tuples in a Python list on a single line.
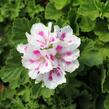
[(49, 55)]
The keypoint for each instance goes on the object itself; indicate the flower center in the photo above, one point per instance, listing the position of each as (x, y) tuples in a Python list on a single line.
[(48, 47), (58, 56)]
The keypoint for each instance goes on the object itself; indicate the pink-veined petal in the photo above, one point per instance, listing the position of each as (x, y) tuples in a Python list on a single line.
[(53, 38), (30, 63), (66, 30), (39, 35), (70, 66), (39, 27), (45, 67), (71, 55), (54, 78), (72, 40)]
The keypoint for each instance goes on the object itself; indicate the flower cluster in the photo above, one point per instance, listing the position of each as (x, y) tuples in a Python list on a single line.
[(47, 55)]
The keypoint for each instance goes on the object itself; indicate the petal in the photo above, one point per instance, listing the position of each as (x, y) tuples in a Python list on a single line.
[(53, 38), (30, 63), (70, 66), (38, 40), (51, 55), (56, 29), (33, 53), (67, 30), (39, 27), (32, 58), (45, 67), (54, 78), (50, 26), (40, 35), (29, 37), (33, 74), (71, 55), (72, 40), (22, 48), (39, 77)]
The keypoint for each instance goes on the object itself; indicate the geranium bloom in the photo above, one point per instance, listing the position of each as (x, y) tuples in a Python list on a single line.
[(47, 55)]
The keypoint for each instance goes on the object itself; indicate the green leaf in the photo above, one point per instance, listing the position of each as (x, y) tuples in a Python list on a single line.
[(85, 100), (10, 9), (13, 72), (106, 102), (89, 8), (51, 12), (17, 104), (7, 93), (103, 77), (36, 88), (59, 4), (33, 9), (73, 106), (24, 93), (101, 30), (62, 22), (92, 58), (106, 85), (73, 17), (20, 27), (76, 2), (104, 51), (105, 11), (45, 92), (86, 25), (90, 55)]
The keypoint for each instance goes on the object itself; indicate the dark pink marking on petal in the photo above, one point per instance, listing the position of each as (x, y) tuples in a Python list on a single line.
[(59, 48), (62, 36), (68, 53), (58, 71), (52, 39), (52, 57), (36, 52), (50, 75), (46, 64), (70, 41), (41, 33), (68, 63), (31, 61)]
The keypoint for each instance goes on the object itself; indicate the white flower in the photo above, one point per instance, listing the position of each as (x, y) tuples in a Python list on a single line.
[(47, 55)]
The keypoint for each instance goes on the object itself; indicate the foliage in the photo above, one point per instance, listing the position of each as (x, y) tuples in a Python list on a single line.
[(88, 86)]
